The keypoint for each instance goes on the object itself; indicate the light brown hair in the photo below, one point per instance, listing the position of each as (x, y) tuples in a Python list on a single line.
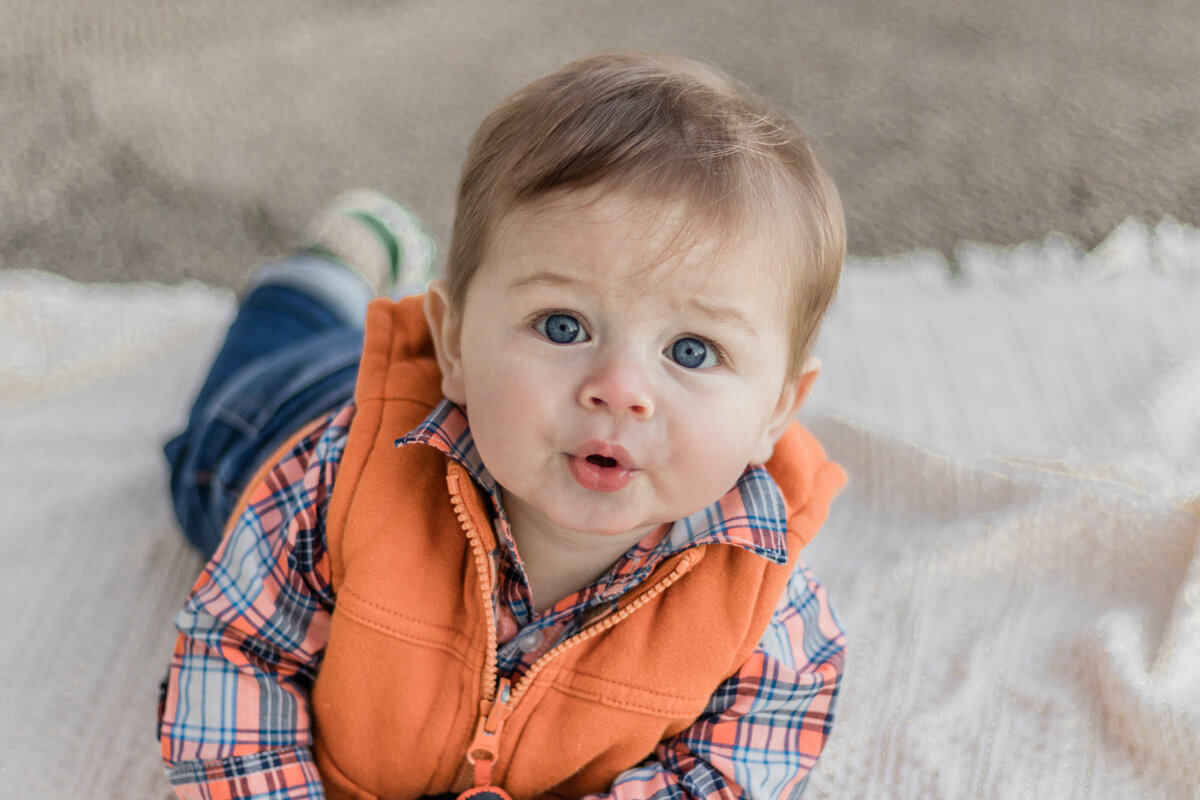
[(661, 126)]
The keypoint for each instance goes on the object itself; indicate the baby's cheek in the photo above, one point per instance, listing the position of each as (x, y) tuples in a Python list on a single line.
[(716, 461)]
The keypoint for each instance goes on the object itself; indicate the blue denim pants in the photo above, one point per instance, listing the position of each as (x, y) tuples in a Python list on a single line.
[(290, 356)]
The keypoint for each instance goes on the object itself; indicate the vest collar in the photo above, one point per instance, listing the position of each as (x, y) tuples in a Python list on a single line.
[(751, 515)]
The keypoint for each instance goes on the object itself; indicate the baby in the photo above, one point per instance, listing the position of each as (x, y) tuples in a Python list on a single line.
[(550, 547)]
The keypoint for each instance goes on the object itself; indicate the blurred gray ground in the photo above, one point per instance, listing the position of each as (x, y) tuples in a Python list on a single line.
[(167, 140)]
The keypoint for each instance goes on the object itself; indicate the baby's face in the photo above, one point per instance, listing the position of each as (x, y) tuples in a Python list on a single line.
[(617, 378)]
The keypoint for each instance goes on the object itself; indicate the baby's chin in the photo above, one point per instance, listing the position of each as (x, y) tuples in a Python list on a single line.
[(605, 528), (579, 523)]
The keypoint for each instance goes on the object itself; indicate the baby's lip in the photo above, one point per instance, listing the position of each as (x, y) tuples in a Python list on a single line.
[(605, 451)]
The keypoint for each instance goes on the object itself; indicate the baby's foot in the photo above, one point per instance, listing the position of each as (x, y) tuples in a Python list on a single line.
[(376, 237)]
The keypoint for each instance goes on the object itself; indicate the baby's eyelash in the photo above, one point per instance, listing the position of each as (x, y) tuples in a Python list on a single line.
[(538, 316)]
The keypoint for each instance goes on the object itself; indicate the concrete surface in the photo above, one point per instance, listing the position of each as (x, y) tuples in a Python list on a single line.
[(155, 140)]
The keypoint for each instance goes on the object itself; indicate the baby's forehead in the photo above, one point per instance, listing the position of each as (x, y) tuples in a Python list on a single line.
[(667, 234)]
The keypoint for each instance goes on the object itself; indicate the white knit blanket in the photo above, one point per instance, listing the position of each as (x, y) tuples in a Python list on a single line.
[(1015, 559)]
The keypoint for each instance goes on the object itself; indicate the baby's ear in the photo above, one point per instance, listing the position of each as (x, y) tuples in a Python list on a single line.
[(446, 329), (795, 394)]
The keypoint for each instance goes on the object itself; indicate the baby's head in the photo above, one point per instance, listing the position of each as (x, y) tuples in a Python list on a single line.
[(661, 127), (641, 257)]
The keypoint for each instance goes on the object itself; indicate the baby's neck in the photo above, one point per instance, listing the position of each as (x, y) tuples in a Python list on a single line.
[(553, 576), (558, 564)]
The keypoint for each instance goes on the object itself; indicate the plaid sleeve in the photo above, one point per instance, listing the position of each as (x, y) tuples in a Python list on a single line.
[(765, 727), (234, 718)]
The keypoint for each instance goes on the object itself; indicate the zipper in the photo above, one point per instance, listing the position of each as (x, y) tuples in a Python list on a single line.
[(499, 698), (485, 746), (483, 566)]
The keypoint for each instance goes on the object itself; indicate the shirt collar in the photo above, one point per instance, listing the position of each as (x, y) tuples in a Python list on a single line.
[(751, 515)]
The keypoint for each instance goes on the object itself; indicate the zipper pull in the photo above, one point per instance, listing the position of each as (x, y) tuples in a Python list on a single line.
[(485, 747)]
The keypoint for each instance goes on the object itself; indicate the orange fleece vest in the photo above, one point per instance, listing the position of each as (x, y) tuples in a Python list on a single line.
[(409, 680)]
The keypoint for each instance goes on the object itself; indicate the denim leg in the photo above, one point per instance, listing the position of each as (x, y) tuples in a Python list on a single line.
[(291, 355)]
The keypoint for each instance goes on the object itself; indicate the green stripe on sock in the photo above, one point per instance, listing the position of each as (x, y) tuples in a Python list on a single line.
[(385, 235)]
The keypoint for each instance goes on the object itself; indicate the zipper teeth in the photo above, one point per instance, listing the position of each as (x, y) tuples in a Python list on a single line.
[(601, 626), (483, 566)]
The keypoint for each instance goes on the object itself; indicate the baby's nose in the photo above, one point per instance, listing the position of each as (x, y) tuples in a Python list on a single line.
[(619, 387)]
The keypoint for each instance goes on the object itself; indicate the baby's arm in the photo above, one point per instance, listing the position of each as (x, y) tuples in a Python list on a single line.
[(765, 727), (235, 720)]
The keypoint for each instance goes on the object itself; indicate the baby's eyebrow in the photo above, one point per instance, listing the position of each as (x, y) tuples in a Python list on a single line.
[(545, 279), (723, 314)]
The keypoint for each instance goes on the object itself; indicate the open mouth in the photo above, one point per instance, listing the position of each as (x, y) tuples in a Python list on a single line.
[(602, 466)]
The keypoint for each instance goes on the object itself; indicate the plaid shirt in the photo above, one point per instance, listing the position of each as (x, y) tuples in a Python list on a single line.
[(234, 718)]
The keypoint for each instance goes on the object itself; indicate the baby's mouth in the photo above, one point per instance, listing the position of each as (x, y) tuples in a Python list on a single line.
[(602, 466), (607, 455), (602, 461)]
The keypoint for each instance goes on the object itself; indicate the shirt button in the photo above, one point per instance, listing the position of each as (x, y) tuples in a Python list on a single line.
[(531, 641)]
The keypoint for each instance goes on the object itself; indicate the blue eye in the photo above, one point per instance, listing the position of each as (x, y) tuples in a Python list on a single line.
[(692, 353), (561, 329)]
